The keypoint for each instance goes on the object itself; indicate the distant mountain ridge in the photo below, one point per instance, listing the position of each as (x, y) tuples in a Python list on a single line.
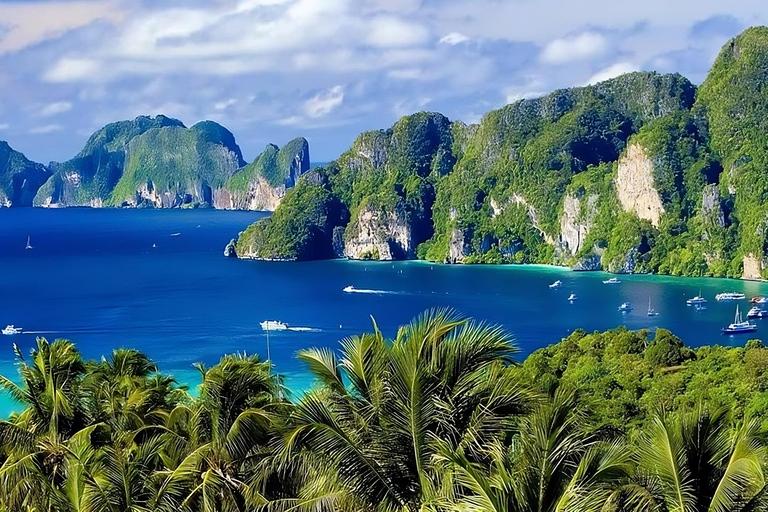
[(640, 173), (155, 162)]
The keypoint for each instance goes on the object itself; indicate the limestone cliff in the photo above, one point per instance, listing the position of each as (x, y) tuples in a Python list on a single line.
[(635, 187), (753, 267), (19, 177), (379, 234), (577, 219)]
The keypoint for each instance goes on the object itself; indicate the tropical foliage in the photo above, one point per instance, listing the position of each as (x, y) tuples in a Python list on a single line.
[(439, 418)]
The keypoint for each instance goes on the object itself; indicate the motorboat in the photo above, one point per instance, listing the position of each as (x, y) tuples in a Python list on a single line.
[(11, 330), (651, 311), (556, 284), (349, 289), (739, 326), (572, 297), (612, 280), (757, 312), (725, 296), (626, 307), (759, 300), (273, 325)]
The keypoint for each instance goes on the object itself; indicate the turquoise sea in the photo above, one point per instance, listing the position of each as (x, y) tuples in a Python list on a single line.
[(157, 281)]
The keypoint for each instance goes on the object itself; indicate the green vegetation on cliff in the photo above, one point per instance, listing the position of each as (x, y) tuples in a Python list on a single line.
[(19, 178), (439, 418), (276, 165)]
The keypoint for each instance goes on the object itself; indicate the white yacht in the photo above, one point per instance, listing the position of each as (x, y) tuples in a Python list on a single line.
[(612, 280), (626, 307), (729, 296), (697, 300), (11, 330), (739, 326), (757, 312), (349, 289), (556, 284), (572, 297), (273, 325)]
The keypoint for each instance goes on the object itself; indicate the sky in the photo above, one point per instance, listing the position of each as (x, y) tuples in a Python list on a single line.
[(272, 70)]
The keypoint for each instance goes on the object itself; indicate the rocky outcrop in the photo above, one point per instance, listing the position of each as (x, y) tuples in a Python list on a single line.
[(19, 178), (380, 235), (635, 187), (576, 222), (711, 209), (753, 268), (259, 196), (589, 263)]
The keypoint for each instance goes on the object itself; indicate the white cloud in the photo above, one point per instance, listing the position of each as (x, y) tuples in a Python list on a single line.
[(46, 129), (72, 70), (454, 38), (54, 109), (325, 102), (30, 23), (613, 71), (581, 47), (225, 104), (392, 32)]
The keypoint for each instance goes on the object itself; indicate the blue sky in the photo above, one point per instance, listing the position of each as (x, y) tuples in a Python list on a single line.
[(271, 70)]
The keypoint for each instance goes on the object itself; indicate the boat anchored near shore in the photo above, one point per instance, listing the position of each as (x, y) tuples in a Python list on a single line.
[(612, 280), (720, 297), (739, 326)]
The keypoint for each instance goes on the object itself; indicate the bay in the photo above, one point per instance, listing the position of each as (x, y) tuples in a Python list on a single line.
[(157, 281)]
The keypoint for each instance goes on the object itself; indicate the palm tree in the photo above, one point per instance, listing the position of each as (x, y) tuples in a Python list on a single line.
[(550, 463), (211, 445), (444, 383), (701, 461)]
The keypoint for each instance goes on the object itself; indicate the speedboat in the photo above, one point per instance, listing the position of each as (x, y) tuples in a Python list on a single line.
[(572, 297), (273, 325), (612, 280), (626, 307), (757, 312), (739, 326), (349, 289), (556, 284), (759, 300), (729, 296), (11, 330)]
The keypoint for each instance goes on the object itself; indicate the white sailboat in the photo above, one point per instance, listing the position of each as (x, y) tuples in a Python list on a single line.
[(739, 326), (29, 245), (651, 311)]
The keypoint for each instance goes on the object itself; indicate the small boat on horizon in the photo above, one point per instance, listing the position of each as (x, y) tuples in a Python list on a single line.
[(572, 297), (739, 326), (11, 330), (725, 296), (29, 245), (556, 284), (273, 325), (626, 307), (612, 280), (651, 311)]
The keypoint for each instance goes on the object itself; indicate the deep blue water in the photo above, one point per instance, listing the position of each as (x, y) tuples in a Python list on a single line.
[(95, 278)]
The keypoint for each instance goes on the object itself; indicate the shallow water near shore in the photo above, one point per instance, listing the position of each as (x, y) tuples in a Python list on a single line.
[(157, 281)]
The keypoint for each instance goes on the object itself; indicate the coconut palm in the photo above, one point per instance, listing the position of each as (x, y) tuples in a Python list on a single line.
[(702, 461), (551, 462), (212, 445), (385, 410)]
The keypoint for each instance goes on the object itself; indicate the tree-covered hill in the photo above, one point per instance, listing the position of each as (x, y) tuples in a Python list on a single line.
[(641, 173)]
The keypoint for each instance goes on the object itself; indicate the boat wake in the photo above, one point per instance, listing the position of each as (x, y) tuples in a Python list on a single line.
[(304, 329), (352, 289)]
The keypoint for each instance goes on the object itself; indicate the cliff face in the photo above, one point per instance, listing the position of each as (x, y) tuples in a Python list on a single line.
[(380, 235), (19, 178), (635, 187), (579, 211), (262, 184)]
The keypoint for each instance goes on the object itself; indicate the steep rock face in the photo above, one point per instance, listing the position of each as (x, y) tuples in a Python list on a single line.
[(19, 177), (574, 222), (262, 184), (89, 178), (635, 187), (711, 208), (753, 267), (380, 235)]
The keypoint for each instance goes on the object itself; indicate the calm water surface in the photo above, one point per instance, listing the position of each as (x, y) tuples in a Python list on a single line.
[(157, 281)]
